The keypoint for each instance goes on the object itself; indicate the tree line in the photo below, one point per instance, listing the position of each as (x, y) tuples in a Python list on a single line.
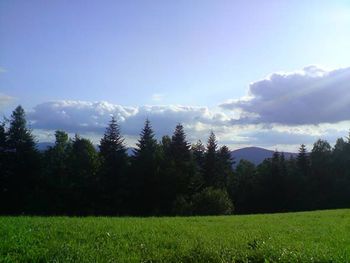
[(166, 177)]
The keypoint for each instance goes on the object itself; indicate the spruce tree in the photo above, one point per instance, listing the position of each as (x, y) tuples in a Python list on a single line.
[(180, 148), (198, 151), (112, 147), (145, 172), (112, 178), (83, 165), (225, 171), (3, 167), (210, 171), (321, 182), (147, 144), (56, 173), (182, 166), (23, 161), (303, 161)]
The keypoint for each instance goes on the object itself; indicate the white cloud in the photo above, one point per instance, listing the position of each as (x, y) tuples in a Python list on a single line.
[(93, 117), (279, 112), (309, 96)]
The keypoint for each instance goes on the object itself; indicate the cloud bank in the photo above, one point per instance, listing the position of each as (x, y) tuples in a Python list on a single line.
[(310, 96), (83, 116), (279, 112)]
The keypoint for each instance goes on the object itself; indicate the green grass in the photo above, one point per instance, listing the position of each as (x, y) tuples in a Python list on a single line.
[(321, 236)]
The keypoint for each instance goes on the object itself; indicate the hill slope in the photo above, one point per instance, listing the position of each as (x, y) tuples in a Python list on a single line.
[(255, 155)]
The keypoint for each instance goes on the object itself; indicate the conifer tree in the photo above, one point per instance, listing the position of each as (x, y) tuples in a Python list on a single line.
[(321, 179), (198, 152), (145, 172), (225, 172), (303, 161), (83, 166), (20, 138), (112, 147), (210, 171), (147, 143), (3, 167), (182, 167), (180, 148), (2, 137), (24, 163), (113, 162), (56, 172)]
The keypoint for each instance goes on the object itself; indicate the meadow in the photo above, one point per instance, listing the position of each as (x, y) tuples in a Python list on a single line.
[(318, 236)]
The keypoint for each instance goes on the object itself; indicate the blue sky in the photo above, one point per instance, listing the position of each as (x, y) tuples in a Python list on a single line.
[(137, 54)]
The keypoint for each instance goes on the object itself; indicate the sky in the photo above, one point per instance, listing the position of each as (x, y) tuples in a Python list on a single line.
[(272, 73)]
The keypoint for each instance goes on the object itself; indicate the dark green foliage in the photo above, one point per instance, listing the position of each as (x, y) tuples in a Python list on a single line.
[(147, 144), (198, 151), (112, 176), (210, 172), (56, 161), (244, 188), (320, 176), (182, 206), (3, 167), (165, 178), (145, 173), (22, 165), (19, 137), (179, 147), (212, 202), (225, 163), (82, 166), (182, 166), (303, 161)]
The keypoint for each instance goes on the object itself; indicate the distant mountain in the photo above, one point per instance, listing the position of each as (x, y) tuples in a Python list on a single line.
[(256, 155)]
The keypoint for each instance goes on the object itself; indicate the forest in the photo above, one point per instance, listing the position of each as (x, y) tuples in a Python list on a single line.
[(166, 177)]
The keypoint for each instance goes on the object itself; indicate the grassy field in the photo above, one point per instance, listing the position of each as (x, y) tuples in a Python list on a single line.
[(321, 236)]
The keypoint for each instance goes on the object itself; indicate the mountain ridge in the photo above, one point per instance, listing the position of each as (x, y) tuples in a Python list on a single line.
[(255, 155)]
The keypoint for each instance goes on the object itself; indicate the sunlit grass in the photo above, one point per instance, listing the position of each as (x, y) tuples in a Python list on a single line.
[(321, 236)]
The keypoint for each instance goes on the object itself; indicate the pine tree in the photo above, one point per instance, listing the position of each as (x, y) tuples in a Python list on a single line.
[(182, 167), (112, 144), (147, 144), (2, 137), (225, 172), (145, 172), (3, 167), (56, 173), (180, 148), (114, 161), (303, 161), (23, 161), (20, 138), (321, 175), (83, 165), (210, 171), (198, 152)]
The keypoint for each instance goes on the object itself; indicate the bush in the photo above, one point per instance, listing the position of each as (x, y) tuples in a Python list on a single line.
[(212, 202), (182, 207)]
